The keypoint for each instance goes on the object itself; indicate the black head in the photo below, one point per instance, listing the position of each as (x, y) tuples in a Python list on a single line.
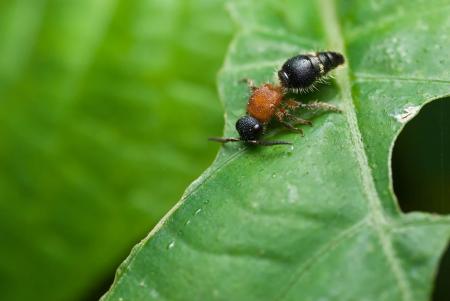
[(298, 72), (249, 128)]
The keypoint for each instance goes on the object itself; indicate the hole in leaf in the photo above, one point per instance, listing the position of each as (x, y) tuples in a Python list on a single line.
[(441, 290), (421, 160)]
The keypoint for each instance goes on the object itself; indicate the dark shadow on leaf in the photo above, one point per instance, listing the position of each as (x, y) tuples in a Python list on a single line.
[(441, 290), (421, 161)]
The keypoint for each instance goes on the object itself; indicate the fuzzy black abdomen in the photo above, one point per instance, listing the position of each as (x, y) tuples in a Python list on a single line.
[(301, 71), (298, 72), (330, 60)]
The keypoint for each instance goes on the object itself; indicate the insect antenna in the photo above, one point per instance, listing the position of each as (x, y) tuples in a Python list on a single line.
[(268, 143), (224, 140)]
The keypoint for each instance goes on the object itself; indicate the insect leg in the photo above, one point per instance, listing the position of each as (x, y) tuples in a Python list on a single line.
[(291, 104), (291, 127), (250, 83), (317, 105)]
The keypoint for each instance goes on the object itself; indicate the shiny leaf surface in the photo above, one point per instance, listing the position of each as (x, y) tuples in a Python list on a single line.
[(319, 221)]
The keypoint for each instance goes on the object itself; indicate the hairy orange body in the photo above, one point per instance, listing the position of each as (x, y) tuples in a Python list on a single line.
[(264, 102)]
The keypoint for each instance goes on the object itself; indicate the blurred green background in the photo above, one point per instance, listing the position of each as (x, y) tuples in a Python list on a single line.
[(105, 107)]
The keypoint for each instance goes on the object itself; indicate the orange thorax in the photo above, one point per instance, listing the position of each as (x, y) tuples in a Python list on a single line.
[(264, 102)]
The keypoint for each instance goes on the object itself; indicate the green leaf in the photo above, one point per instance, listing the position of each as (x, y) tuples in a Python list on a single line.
[(319, 221), (102, 126)]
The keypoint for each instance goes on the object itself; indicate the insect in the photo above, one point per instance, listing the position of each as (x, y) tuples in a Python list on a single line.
[(264, 103), (267, 102), (301, 72)]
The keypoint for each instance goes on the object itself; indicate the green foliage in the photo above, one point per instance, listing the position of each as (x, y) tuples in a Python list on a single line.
[(319, 221), (105, 107)]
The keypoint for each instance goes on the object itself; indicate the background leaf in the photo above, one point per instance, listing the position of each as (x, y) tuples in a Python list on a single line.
[(104, 110), (319, 222)]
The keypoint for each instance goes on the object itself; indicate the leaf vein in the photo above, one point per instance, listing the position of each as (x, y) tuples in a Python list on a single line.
[(231, 251), (314, 259), (336, 41), (362, 77)]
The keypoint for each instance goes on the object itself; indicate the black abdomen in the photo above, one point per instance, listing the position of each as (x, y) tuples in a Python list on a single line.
[(301, 71)]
